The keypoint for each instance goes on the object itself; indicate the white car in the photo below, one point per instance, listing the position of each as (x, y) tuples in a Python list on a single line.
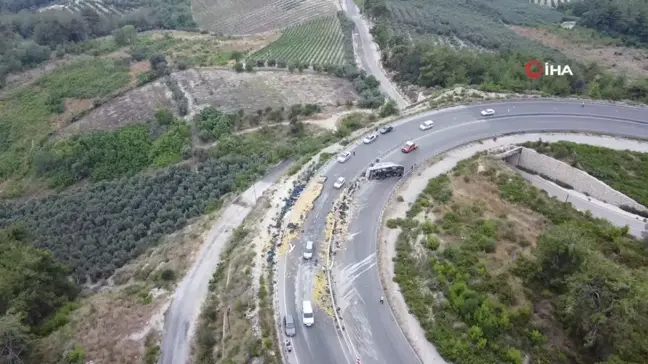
[(370, 138), (339, 183), (488, 112), (427, 125), (343, 157)]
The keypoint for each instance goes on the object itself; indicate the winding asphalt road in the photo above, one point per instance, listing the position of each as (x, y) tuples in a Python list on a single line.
[(372, 334), (364, 47)]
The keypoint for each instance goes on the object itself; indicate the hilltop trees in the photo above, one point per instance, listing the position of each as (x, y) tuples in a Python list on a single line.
[(627, 20)]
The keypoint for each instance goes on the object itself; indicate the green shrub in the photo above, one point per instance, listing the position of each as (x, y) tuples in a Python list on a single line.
[(432, 242)]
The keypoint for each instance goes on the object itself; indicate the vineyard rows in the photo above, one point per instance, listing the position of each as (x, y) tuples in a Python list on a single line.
[(75, 6), (551, 3), (244, 17), (319, 41)]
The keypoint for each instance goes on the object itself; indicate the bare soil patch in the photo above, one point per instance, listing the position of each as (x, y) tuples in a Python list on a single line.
[(632, 61), (220, 88), (72, 107), (135, 106), (230, 91), (519, 228), (136, 69)]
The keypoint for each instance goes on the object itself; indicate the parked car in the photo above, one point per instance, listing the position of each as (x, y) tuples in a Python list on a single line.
[(343, 157), (386, 129), (408, 147), (488, 112), (370, 138), (427, 125), (289, 325), (339, 183)]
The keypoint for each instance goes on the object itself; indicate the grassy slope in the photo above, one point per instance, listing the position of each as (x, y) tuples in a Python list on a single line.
[(27, 115)]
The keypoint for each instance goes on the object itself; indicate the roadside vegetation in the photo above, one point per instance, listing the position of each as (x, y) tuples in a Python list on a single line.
[(443, 64), (624, 170), (497, 272), (227, 331)]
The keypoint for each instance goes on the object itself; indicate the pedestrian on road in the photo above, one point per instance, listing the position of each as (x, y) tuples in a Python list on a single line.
[(353, 151), (382, 299), (288, 346)]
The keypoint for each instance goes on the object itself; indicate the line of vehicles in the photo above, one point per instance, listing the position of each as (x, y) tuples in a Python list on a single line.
[(376, 171)]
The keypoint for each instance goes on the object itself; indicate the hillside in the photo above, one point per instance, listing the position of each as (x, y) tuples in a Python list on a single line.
[(481, 49), (497, 272), (476, 23), (257, 16)]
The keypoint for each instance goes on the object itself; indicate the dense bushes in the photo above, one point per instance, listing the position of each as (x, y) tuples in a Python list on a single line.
[(582, 275), (33, 287)]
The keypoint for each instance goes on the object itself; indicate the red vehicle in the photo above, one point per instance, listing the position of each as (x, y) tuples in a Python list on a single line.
[(409, 147)]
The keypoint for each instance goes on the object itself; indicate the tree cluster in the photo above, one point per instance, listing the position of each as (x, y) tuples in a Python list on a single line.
[(33, 286), (28, 38), (211, 124), (100, 228), (107, 155), (432, 66), (627, 20)]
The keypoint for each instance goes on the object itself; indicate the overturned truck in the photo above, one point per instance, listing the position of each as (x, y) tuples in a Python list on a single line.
[(385, 170)]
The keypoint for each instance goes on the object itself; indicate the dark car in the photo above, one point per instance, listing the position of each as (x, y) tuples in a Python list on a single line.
[(386, 129), (289, 325)]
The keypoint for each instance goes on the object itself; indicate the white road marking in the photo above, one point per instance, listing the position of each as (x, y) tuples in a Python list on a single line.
[(292, 247)]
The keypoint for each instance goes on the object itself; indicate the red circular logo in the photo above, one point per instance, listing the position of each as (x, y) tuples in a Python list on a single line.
[(531, 65)]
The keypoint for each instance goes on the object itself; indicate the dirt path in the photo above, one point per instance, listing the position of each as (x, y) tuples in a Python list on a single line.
[(191, 292)]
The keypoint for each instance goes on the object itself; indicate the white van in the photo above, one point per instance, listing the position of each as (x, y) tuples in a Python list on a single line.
[(307, 313), (308, 249)]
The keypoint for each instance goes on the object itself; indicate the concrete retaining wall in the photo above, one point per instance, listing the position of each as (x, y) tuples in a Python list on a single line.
[(581, 181)]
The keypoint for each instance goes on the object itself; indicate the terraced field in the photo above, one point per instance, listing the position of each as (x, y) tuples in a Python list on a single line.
[(245, 17), (75, 6), (319, 41), (551, 3)]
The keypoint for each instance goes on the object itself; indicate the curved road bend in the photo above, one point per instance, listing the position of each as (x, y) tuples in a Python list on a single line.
[(375, 336), (191, 292)]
